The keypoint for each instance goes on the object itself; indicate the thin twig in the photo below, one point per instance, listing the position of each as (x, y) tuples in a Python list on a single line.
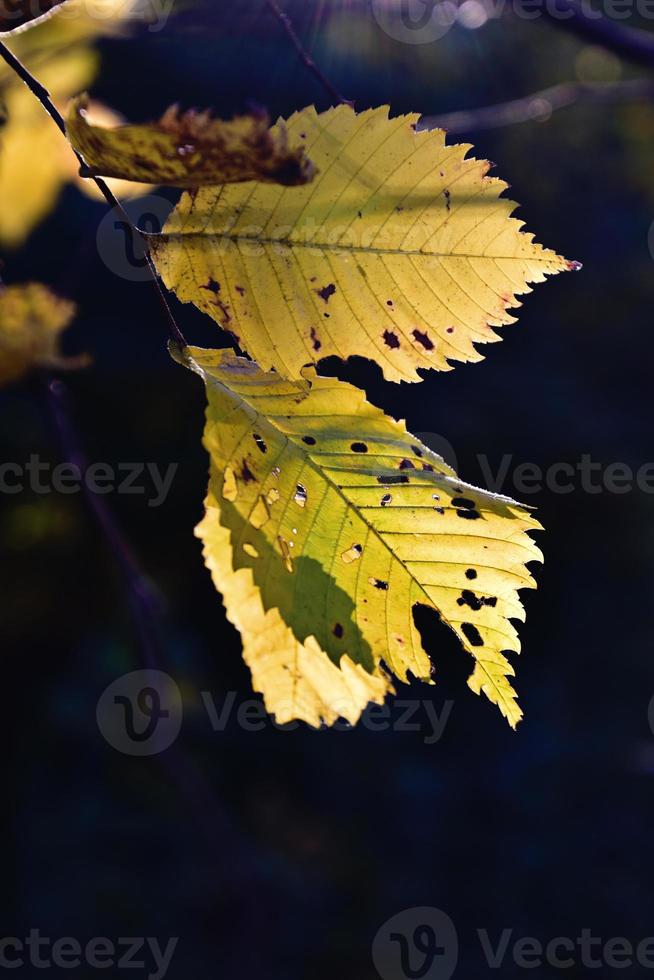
[(304, 55), (628, 42), (539, 106), (42, 94), (144, 601), (146, 606)]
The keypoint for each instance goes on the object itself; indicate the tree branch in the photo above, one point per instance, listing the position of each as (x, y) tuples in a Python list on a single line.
[(144, 601), (304, 55), (42, 94), (579, 18), (539, 106)]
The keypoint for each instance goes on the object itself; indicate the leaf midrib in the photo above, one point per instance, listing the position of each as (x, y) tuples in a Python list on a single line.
[(165, 237)]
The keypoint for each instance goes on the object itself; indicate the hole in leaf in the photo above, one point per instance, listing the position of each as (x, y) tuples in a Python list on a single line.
[(352, 554)]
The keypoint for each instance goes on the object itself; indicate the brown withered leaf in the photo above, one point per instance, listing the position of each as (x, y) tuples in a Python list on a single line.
[(16, 14), (189, 149)]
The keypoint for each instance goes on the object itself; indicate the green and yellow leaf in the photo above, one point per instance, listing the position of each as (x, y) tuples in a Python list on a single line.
[(401, 250), (297, 680), (347, 522), (190, 149), (32, 319)]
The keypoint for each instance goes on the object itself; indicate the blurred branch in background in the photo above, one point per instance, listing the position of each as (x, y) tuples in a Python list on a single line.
[(631, 43), (145, 602), (304, 55), (539, 106), (232, 853)]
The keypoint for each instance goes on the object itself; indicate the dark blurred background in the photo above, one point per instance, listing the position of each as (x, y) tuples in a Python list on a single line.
[(276, 854)]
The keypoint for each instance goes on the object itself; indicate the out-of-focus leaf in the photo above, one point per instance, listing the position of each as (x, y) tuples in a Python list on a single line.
[(190, 149), (297, 680), (35, 160), (32, 319), (18, 14), (401, 250), (347, 522)]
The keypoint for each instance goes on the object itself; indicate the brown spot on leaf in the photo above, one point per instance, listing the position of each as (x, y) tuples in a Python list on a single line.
[(472, 634), (246, 473), (390, 480), (423, 339), (475, 602), (326, 292), (391, 339)]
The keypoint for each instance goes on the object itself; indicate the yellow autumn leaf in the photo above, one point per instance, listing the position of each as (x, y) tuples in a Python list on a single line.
[(297, 680), (346, 522), (401, 251), (35, 160), (189, 149), (32, 319)]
